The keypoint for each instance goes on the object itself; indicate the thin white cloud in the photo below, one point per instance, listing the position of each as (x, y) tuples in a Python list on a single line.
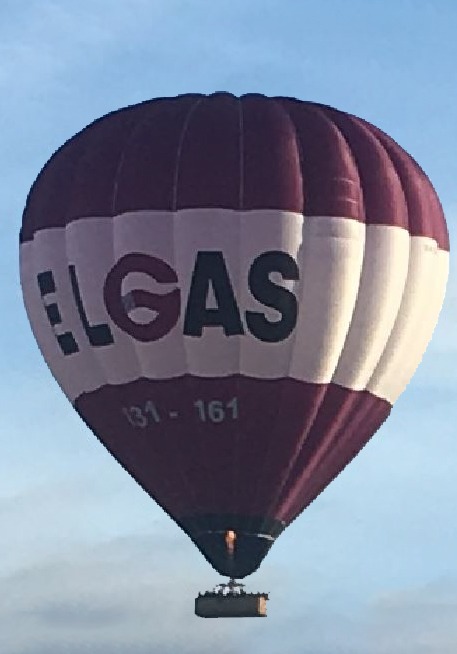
[(415, 620), (133, 594), (124, 594)]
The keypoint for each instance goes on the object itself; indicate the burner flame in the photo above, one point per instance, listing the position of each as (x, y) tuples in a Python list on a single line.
[(230, 539)]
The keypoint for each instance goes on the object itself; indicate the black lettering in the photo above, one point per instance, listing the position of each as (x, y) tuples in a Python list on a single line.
[(67, 343), (210, 269), (98, 335), (47, 286), (272, 295)]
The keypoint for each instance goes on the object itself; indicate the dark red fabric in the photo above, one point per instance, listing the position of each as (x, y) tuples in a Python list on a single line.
[(271, 461), (245, 153)]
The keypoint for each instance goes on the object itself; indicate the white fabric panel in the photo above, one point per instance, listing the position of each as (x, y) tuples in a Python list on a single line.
[(153, 233), (363, 321), (416, 320), (384, 271), (77, 372), (330, 263), (90, 250), (208, 230), (261, 231)]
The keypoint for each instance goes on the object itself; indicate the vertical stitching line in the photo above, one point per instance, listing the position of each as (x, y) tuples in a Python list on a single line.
[(197, 523), (137, 125), (276, 429), (185, 126), (236, 456)]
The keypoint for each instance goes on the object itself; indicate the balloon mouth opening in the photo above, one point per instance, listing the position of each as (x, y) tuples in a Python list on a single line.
[(234, 545)]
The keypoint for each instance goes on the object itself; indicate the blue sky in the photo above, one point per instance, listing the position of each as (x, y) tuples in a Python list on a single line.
[(87, 562)]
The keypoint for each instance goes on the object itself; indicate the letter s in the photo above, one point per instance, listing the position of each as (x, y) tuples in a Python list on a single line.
[(272, 295)]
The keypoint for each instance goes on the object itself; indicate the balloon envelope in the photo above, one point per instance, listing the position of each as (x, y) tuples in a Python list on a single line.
[(232, 292)]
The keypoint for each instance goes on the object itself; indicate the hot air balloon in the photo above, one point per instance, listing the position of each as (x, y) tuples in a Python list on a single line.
[(232, 293)]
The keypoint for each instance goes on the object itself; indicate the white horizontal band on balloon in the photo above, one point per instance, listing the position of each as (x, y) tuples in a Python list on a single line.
[(356, 315)]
